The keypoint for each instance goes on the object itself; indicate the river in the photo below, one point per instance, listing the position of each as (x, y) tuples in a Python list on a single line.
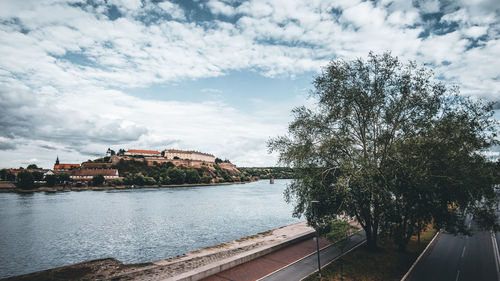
[(44, 230)]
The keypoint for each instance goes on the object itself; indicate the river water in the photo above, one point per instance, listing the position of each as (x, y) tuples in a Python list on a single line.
[(45, 230)]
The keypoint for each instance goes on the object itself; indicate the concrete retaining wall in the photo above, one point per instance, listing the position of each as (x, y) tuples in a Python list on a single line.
[(214, 268)]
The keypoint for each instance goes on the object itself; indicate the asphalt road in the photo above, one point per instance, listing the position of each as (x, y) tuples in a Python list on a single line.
[(460, 258), (308, 265)]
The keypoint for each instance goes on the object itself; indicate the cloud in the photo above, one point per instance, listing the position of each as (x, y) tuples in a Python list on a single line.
[(29, 115), (67, 67), (219, 7), (7, 144), (174, 10)]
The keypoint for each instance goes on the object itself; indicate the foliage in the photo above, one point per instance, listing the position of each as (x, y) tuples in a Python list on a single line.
[(192, 176), (338, 231), (177, 176), (391, 147), (51, 180), (268, 172), (206, 179), (3, 174), (25, 180), (110, 152), (32, 167), (363, 264), (63, 178), (37, 176), (97, 180)]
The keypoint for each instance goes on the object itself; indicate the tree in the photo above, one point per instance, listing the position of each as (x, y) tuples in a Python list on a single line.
[(25, 180), (386, 144), (110, 152), (97, 180), (192, 176), (62, 178), (32, 167), (37, 176), (176, 175), (3, 174), (338, 234), (218, 160), (206, 179), (51, 180)]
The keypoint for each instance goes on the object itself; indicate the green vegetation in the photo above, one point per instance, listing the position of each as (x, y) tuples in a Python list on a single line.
[(387, 264), (268, 172), (51, 180), (32, 167), (97, 180), (392, 147), (25, 180), (137, 172)]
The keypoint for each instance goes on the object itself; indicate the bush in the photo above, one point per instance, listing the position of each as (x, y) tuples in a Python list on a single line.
[(97, 180), (177, 176), (192, 176), (206, 179), (51, 180), (25, 180)]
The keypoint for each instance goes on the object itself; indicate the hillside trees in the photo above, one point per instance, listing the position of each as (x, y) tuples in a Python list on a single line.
[(388, 145)]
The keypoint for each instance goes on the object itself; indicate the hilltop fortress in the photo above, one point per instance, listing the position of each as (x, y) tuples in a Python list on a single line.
[(186, 158)]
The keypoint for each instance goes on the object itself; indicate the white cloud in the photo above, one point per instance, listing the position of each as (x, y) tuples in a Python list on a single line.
[(476, 31), (69, 68), (173, 9), (219, 7)]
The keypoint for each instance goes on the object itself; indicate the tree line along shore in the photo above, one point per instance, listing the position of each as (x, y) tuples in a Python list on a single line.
[(135, 173)]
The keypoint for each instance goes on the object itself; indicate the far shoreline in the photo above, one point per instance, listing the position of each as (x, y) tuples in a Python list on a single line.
[(104, 188)]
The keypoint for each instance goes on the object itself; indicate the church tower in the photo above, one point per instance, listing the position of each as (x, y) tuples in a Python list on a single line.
[(57, 160)]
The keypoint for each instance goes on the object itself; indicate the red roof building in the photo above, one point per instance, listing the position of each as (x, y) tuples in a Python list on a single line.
[(138, 152), (88, 174), (65, 167)]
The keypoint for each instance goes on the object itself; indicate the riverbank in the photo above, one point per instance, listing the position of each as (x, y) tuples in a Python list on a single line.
[(189, 264), (8, 187)]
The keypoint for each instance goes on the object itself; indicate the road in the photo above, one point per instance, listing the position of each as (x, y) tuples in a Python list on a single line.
[(460, 258)]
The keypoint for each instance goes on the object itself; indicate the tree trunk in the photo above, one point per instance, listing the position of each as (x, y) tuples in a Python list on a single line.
[(371, 240)]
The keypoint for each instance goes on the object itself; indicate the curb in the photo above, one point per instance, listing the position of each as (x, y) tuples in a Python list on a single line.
[(421, 255), (211, 269)]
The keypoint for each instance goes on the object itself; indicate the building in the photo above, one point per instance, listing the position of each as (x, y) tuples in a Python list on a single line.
[(138, 152), (187, 155), (65, 167), (88, 174), (96, 165)]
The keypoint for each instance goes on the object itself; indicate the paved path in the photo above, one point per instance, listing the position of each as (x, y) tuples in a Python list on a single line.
[(287, 264)]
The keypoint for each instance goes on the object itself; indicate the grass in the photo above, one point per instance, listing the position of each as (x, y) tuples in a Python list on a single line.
[(387, 263)]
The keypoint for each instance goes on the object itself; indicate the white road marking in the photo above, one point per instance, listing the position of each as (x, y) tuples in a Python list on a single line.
[(458, 274), (495, 253), (463, 251)]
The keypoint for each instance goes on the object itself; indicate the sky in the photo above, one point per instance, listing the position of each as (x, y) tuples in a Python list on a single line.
[(217, 76)]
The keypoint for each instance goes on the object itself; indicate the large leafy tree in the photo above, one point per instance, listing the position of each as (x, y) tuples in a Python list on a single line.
[(390, 146)]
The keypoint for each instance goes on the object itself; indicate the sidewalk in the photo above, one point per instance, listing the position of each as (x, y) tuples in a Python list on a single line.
[(291, 263), (269, 263)]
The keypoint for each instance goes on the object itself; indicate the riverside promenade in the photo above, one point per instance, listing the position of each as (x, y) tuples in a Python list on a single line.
[(294, 262)]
